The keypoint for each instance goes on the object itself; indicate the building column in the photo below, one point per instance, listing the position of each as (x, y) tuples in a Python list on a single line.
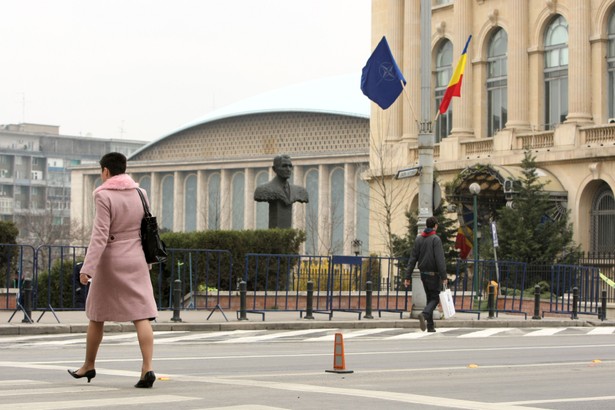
[(201, 201), (155, 200), (579, 64), (411, 70), (463, 107), (298, 207), (249, 221), (395, 38), (88, 200), (518, 65), (324, 210), (225, 199), (178, 201), (350, 194)]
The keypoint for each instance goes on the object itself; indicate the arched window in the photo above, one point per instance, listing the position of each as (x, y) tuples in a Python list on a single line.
[(168, 197), (556, 73), (238, 185), (611, 65), (146, 183), (362, 210), (213, 202), (190, 204), (497, 83), (603, 220), (311, 213), (262, 208), (337, 210), (444, 71)]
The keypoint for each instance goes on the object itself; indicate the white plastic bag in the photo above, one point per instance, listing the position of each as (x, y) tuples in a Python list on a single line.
[(446, 301)]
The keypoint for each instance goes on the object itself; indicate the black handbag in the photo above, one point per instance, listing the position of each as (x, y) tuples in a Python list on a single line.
[(154, 248)]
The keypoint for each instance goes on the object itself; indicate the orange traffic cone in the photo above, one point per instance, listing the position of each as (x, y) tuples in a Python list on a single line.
[(339, 362)]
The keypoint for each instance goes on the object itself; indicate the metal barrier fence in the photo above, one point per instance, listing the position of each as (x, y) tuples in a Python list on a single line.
[(471, 287), (279, 282), (205, 279), (605, 262), (56, 278), (16, 263), (565, 279)]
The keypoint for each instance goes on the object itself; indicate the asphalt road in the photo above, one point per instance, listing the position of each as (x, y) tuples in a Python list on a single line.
[(567, 368)]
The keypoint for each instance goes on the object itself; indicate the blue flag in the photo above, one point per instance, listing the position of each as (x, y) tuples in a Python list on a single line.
[(381, 78)]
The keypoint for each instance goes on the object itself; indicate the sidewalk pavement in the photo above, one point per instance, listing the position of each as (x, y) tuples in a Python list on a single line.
[(48, 322)]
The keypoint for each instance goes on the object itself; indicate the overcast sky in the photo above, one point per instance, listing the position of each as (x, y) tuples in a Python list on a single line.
[(138, 69)]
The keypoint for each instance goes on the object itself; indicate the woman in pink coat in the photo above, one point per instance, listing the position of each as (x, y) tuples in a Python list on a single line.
[(120, 285)]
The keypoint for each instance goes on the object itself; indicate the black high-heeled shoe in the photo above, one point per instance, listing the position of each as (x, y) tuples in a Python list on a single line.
[(90, 374), (147, 381)]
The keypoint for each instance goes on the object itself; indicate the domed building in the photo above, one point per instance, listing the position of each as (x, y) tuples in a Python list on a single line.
[(203, 175)]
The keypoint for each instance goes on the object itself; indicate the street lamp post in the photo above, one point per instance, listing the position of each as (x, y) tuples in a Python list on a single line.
[(356, 245), (475, 190)]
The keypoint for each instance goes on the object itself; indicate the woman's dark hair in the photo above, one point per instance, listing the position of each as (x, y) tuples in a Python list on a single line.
[(115, 162)]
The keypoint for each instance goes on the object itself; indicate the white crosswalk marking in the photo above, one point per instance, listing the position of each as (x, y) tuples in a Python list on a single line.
[(304, 335), (546, 331), (53, 390), (416, 334), (203, 336), (606, 330), (97, 403), (485, 332), (348, 335), (271, 336)]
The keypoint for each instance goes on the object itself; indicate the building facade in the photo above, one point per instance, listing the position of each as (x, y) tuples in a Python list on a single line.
[(203, 175), (539, 76), (35, 178)]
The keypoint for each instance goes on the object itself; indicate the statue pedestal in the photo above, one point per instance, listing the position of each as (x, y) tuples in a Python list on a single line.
[(280, 215)]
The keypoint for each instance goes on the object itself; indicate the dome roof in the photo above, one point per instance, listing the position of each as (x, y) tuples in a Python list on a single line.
[(339, 95)]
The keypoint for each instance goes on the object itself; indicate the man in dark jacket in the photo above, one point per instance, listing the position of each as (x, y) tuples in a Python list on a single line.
[(429, 253)]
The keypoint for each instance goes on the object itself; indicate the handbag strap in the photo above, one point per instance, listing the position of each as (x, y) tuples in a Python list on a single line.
[(145, 207)]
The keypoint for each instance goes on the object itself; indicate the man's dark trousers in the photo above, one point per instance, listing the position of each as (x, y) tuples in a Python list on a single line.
[(431, 284)]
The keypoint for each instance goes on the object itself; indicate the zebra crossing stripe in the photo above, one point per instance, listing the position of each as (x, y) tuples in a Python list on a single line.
[(419, 335), (546, 331), (271, 336), (606, 330), (349, 335), (485, 332), (202, 336)]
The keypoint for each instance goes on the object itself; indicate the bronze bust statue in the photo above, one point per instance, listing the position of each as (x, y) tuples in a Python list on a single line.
[(280, 193)]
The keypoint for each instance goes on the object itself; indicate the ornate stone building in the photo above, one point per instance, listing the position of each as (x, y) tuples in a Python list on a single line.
[(203, 175), (540, 76)]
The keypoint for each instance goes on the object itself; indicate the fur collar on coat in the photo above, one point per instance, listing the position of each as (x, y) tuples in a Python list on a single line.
[(118, 182)]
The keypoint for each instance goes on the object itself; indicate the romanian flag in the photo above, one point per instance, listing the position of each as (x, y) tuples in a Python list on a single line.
[(463, 242), (454, 85)]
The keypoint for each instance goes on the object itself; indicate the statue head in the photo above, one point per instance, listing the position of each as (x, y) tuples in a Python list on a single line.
[(282, 166)]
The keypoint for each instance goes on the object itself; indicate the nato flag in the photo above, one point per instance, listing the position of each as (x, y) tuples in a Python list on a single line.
[(381, 78)]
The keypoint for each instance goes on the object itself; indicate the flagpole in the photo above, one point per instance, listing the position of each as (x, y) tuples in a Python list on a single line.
[(425, 150)]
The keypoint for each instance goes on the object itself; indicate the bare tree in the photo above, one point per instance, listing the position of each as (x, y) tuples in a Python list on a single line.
[(388, 196), (43, 227)]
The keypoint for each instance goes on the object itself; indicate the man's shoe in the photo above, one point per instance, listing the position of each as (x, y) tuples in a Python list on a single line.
[(422, 323), (431, 329)]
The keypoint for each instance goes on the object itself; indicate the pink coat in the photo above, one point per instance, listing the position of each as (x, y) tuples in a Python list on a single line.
[(121, 288)]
